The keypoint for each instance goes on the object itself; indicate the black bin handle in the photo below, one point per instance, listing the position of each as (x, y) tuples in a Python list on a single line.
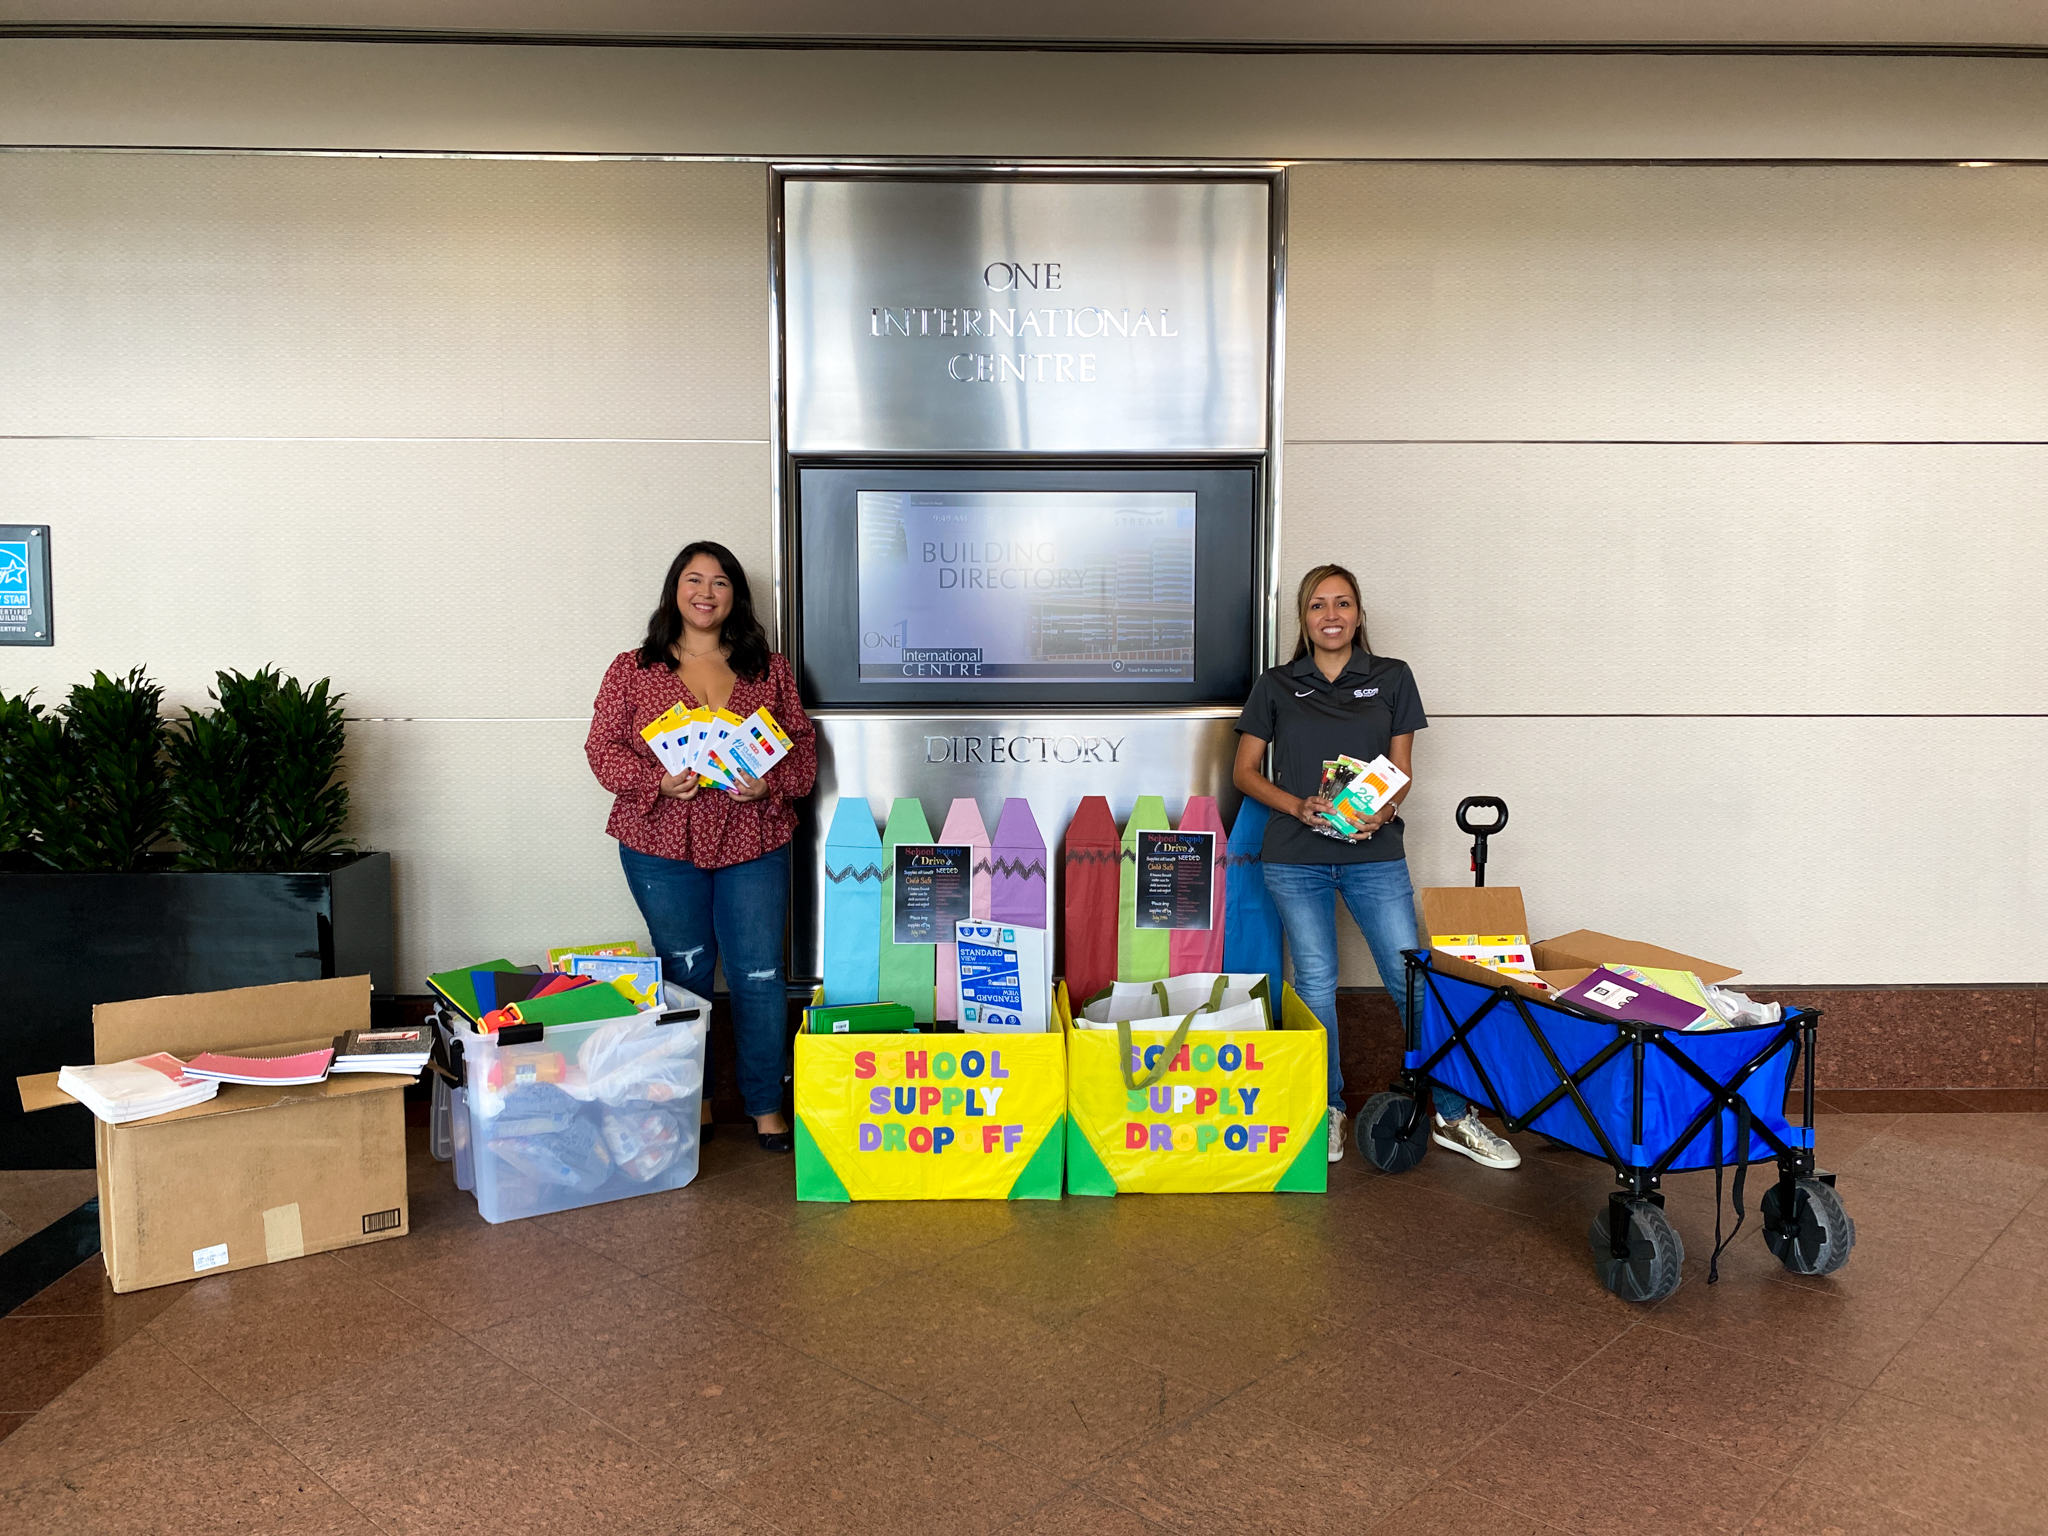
[(1479, 834)]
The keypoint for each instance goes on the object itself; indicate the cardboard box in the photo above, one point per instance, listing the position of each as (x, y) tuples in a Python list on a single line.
[(254, 1175), (1561, 962)]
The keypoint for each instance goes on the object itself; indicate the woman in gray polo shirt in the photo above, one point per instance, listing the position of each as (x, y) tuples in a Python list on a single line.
[(1337, 698)]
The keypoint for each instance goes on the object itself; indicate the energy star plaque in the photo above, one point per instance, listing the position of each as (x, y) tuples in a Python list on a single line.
[(25, 584)]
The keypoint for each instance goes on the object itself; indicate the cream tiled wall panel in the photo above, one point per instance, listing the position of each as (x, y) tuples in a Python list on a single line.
[(1625, 302), (1785, 847), (496, 836), (1667, 578), (451, 579), (246, 295)]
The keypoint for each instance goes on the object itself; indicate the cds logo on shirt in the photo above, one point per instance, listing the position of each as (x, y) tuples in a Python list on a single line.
[(1363, 693)]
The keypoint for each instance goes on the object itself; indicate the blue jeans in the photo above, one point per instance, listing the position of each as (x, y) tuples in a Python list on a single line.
[(1382, 903), (742, 911)]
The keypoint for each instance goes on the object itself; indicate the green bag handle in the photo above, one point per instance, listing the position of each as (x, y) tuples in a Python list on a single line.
[(1215, 996), (1172, 1049)]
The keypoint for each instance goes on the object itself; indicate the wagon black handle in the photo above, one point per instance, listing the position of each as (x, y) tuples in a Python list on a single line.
[(1479, 834), (1484, 803)]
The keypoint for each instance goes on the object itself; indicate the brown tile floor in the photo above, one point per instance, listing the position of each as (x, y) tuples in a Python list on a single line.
[(1422, 1353)]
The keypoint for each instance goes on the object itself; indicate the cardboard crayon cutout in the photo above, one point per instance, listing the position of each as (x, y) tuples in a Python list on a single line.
[(1141, 953), (963, 825), (1088, 898), (853, 905), (1252, 935), (1193, 950), (908, 971), (1020, 891)]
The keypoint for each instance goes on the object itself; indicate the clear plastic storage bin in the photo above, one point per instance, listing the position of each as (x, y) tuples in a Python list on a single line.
[(586, 1114)]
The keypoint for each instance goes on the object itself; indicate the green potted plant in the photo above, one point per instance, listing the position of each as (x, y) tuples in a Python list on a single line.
[(141, 857)]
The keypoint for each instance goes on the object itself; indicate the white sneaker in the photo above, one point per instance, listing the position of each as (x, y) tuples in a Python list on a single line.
[(1475, 1141), (1336, 1134)]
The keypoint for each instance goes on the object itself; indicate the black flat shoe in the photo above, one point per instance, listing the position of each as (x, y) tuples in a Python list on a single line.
[(776, 1141), (705, 1130)]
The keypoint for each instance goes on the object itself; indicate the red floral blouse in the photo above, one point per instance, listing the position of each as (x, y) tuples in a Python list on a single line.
[(712, 830)]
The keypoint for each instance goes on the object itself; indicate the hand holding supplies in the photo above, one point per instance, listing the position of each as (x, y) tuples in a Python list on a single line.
[(1357, 791), (713, 743)]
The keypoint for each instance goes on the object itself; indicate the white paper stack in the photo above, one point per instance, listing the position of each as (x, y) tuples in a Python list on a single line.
[(121, 1091)]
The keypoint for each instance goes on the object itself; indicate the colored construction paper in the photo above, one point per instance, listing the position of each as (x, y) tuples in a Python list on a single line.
[(908, 971), (963, 825), (1141, 953), (852, 917), (1191, 949), (1089, 898), (1020, 890), (1251, 923)]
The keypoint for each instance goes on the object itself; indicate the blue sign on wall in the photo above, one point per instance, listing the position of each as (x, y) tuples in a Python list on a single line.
[(24, 584)]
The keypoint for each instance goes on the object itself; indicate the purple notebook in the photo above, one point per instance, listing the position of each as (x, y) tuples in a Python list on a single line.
[(1617, 997)]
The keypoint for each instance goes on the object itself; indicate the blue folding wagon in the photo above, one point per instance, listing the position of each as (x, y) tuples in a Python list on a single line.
[(1645, 1099)]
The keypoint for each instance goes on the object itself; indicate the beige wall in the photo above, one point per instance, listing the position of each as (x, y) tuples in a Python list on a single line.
[(1699, 497), (1708, 505), (430, 428)]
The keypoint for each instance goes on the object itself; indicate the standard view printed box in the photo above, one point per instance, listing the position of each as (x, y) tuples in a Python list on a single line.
[(932, 1116), (1560, 963), (253, 1175), (1234, 1111)]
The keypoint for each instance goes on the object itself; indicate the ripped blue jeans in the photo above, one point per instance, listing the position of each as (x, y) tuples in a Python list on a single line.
[(741, 912)]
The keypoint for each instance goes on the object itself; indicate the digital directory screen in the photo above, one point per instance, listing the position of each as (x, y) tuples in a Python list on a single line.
[(1042, 586)]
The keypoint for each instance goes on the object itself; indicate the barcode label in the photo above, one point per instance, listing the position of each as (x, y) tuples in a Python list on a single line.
[(381, 1221), (209, 1258)]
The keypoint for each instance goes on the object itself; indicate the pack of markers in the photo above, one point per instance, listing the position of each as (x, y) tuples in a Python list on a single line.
[(714, 743)]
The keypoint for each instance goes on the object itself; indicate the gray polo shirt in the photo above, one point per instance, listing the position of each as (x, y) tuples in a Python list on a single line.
[(1309, 720)]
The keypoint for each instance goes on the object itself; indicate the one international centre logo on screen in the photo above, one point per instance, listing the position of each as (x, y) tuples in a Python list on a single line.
[(14, 575), (941, 661)]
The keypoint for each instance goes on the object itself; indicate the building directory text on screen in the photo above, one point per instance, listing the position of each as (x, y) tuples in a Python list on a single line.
[(1042, 586)]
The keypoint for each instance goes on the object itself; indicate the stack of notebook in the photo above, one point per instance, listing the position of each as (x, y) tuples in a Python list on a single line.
[(264, 1071), (120, 1091), (403, 1051)]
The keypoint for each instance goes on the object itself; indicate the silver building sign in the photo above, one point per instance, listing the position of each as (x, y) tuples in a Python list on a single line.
[(948, 316)]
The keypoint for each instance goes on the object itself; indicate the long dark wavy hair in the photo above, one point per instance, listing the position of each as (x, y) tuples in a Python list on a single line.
[(1315, 578), (741, 632)]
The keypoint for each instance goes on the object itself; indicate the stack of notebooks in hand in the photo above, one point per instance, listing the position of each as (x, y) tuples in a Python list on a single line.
[(403, 1051), (121, 1091), (264, 1071), (713, 743)]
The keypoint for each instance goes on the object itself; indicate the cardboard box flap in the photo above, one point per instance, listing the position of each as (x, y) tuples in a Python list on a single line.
[(1587, 950), (1473, 909), (41, 1092), (260, 1018)]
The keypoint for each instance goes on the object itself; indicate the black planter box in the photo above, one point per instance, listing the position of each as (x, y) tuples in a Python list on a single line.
[(69, 941)]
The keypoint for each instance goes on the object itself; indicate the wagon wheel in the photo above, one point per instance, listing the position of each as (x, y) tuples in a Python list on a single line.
[(1815, 1237), (1382, 1133), (1655, 1252)]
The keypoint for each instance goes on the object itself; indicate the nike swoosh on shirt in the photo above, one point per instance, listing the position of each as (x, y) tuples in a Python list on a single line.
[(1305, 693)]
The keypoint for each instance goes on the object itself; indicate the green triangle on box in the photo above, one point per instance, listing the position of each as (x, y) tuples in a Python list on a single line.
[(1086, 1174), (1041, 1177), (815, 1177), (1309, 1173)]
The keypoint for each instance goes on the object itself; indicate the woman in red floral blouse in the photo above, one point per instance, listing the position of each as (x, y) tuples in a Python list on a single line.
[(710, 867)]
